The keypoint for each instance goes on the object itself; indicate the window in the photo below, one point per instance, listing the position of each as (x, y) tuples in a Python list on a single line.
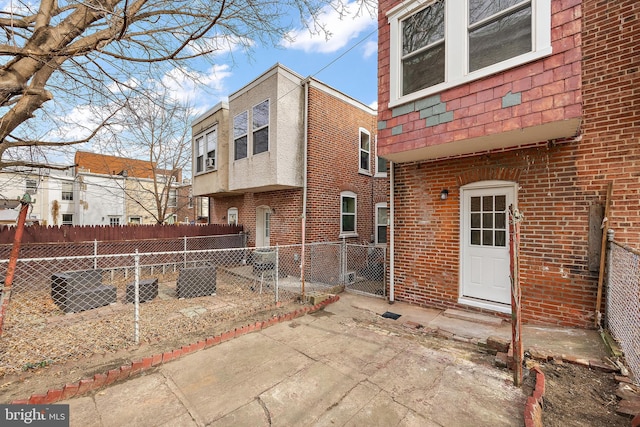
[(232, 216), (261, 127), (381, 166), (450, 42), (67, 219), (212, 148), (114, 221), (365, 151), (381, 223), (67, 191), (489, 221), (31, 186), (173, 199), (135, 220), (240, 123), (199, 147), (347, 214)]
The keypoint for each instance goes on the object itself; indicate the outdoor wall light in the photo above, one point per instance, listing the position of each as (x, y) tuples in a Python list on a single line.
[(444, 194)]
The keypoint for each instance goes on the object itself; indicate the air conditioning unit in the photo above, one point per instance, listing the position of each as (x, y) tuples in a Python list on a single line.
[(211, 163)]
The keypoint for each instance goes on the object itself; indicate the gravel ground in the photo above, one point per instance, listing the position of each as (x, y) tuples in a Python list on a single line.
[(38, 334)]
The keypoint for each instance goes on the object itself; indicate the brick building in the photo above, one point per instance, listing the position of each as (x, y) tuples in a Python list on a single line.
[(283, 143), (534, 104)]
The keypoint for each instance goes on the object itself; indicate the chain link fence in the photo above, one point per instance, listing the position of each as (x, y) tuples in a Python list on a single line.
[(71, 307), (623, 302)]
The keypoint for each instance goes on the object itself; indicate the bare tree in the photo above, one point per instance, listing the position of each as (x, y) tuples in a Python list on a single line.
[(96, 52), (156, 129)]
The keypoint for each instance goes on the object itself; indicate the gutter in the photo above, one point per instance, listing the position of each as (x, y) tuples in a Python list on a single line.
[(303, 233), (391, 233)]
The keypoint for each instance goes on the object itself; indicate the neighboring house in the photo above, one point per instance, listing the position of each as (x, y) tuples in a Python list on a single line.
[(51, 191), (284, 142), (530, 103), (119, 191)]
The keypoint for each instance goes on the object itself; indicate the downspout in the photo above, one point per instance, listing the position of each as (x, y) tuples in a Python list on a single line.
[(391, 233), (303, 233)]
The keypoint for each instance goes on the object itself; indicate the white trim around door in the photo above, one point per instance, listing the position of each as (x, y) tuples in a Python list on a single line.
[(484, 244)]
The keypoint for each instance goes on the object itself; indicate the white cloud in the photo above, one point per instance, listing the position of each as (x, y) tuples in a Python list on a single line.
[(342, 30), (370, 48), (187, 86)]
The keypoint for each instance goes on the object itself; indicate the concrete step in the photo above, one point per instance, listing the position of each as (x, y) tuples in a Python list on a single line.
[(473, 317)]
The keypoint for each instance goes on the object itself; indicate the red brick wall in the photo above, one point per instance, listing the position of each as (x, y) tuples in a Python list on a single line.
[(333, 160), (611, 94), (557, 181)]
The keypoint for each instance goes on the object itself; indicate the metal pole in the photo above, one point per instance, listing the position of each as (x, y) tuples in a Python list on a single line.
[(95, 254), (184, 262), (610, 236), (17, 240), (5, 294), (277, 270), (136, 299)]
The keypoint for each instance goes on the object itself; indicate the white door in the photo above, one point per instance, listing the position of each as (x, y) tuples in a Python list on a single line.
[(263, 225), (485, 272)]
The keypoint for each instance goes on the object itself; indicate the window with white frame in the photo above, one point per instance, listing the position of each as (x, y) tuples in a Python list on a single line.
[(381, 166), (67, 219), (365, 151), (381, 223), (212, 148), (199, 149), (240, 129), (232, 216), (67, 191), (135, 220), (31, 186), (114, 221), (439, 44), (173, 198), (348, 212), (260, 119)]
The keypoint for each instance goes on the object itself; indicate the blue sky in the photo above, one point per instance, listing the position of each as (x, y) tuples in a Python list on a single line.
[(346, 61)]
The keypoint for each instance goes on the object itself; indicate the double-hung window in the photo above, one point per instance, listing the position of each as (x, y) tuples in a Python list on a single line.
[(212, 148), (31, 186), (199, 148), (240, 129), (67, 191), (348, 203), (67, 219), (439, 44), (365, 151), (260, 120), (381, 223), (173, 199)]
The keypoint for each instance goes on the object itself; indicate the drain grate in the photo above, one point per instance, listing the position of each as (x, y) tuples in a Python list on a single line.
[(390, 315)]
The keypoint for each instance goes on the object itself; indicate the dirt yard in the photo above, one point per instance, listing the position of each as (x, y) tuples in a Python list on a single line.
[(578, 396)]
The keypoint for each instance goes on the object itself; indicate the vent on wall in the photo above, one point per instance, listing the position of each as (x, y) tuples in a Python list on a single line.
[(211, 163)]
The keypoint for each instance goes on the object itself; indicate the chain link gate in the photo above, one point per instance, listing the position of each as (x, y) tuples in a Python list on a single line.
[(364, 269)]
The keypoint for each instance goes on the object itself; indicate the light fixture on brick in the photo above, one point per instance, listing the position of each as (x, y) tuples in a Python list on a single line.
[(444, 194)]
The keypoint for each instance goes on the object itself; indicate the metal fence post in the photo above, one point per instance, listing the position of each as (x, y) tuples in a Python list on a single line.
[(136, 299), (343, 262), (610, 237), (95, 254), (277, 270), (184, 262)]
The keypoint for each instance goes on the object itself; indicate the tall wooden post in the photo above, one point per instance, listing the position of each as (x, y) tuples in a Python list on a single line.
[(516, 317)]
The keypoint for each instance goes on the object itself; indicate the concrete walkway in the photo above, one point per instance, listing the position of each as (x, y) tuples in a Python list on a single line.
[(342, 366)]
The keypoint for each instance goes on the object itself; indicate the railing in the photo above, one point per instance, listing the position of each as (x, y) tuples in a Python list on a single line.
[(623, 301)]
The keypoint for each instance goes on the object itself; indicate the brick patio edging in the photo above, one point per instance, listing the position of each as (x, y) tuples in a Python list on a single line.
[(140, 365), (533, 407)]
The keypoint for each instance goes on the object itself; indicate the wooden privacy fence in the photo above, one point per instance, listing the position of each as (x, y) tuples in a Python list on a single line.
[(67, 233)]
